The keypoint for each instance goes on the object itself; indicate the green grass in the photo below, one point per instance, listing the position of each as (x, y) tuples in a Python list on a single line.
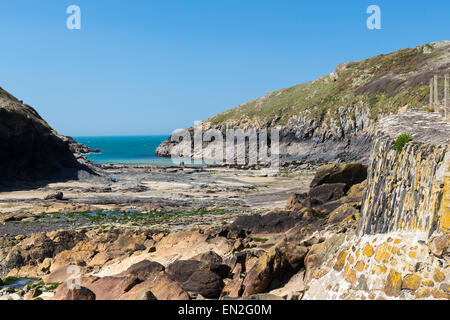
[(401, 141), (263, 240), (373, 82)]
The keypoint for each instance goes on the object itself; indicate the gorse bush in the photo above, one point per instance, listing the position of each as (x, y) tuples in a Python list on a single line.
[(401, 141)]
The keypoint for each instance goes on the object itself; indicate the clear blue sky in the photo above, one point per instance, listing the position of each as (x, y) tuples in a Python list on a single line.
[(149, 67)]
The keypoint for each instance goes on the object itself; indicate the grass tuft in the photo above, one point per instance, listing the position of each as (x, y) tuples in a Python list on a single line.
[(401, 141)]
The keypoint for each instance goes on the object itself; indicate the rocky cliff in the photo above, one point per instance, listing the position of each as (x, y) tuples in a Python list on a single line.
[(30, 149), (406, 189), (332, 118), (401, 246)]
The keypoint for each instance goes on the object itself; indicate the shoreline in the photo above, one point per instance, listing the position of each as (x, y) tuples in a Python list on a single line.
[(148, 191)]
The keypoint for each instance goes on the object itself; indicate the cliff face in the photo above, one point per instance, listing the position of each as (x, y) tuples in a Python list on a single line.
[(406, 190), (30, 149), (333, 118), (401, 247)]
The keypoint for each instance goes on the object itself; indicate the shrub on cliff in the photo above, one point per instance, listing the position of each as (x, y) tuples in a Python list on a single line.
[(401, 141)]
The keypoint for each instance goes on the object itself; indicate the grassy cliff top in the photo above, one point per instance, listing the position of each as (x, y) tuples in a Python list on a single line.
[(383, 83), (17, 111)]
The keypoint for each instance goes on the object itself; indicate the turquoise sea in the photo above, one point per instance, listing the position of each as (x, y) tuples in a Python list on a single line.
[(136, 150)]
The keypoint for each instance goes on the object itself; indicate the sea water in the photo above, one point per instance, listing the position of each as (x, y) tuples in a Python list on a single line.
[(131, 150)]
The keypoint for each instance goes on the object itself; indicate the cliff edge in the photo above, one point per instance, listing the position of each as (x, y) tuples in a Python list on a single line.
[(332, 119), (31, 150)]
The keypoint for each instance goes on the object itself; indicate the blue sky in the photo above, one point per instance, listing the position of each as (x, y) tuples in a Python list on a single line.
[(149, 67)]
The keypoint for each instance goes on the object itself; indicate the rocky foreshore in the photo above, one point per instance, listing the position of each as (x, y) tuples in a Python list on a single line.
[(260, 253), (305, 246)]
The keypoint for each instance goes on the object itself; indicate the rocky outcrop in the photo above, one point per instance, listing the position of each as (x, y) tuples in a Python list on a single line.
[(31, 149), (334, 187), (332, 119), (408, 190), (78, 148), (400, 249)]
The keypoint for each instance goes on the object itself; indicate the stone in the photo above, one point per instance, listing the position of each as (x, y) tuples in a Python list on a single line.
[(393, 285), (350, 174), (341, 213), (270, 266), (271, 222), (182, 270), (209, 257), (359, 266), (439, 246), (438, 294), (293, 289), (393, 188), (161, 287), (411, 282), (111, 288), (362, 283), (351, 277), (143, 270), (294, 254), (59, 275), (368, 250), (321, 252), (54, 196), (445, 287), (221, 269), (438, 276), (428, 283), (382, 253), (327, 192), (206, 283), (64, 293), (340, 261), (379, 269), (423, 293), (80, 294), (296, 202), (233, 287)]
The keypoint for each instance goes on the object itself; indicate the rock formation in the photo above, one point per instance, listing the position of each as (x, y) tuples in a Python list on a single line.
[(333, 118), (401, 247), (31, 149)]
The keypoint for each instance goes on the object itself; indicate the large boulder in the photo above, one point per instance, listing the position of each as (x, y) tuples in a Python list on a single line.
[(327, 192), (332, 186), (271, 266), (271, 222), (160, 286), (349, 173), (111, 288), (143, 270), (206, 283), (182, 270), (82, 293)]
